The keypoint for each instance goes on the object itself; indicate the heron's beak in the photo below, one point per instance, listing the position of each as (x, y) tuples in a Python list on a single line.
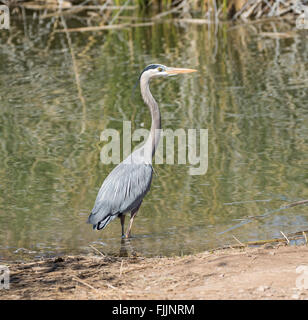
[(172, 71)]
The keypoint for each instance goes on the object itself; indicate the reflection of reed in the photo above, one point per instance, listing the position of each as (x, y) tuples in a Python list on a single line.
[(76, 73), (250, 94)]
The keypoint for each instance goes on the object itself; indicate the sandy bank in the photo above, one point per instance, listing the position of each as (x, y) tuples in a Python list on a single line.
[(251, 273)]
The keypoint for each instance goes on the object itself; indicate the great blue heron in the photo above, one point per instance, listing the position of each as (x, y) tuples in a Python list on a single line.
[(127, 184)]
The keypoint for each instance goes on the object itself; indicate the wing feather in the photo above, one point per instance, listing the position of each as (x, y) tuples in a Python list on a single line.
[(123, 190)]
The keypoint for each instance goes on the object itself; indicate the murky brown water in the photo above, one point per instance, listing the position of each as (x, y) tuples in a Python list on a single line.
[(250, 93)]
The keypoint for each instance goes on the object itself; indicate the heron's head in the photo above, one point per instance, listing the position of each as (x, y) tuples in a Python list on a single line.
[(159, 70)]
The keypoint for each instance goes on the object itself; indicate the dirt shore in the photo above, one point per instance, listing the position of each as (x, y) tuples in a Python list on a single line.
[(251, 273)]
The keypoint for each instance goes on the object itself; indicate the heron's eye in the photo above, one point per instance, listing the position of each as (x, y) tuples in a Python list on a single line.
[(160, 69)]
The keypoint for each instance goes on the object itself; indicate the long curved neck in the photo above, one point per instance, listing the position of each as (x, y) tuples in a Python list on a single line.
[(153, 139)]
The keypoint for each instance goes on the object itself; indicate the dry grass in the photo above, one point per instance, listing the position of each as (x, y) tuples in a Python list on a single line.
[(110, 11), (239, 272)]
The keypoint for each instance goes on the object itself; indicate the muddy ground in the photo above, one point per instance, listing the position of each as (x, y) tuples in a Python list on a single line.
[(251, 273)]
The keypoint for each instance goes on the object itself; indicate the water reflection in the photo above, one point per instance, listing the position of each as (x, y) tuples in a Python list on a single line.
[(250, 93)]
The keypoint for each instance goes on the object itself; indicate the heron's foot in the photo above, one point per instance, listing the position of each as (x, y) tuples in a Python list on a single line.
[(126, 236)]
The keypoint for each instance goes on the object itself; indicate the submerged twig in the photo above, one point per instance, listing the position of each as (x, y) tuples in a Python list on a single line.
[(288, 241), (289, 237), (305, 236), (238, 241), (253, 218), (296, 203)]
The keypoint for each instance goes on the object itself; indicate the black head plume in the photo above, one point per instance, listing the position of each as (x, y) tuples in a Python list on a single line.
[(150, 66)]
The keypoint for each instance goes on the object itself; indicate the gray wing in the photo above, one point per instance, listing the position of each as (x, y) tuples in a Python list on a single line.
[(123, 190)]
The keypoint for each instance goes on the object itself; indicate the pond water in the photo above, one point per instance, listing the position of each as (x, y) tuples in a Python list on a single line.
[(58, 92)]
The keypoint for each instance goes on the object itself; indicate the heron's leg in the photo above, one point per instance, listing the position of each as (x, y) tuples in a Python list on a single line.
[(122, 218), (132, 216)]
